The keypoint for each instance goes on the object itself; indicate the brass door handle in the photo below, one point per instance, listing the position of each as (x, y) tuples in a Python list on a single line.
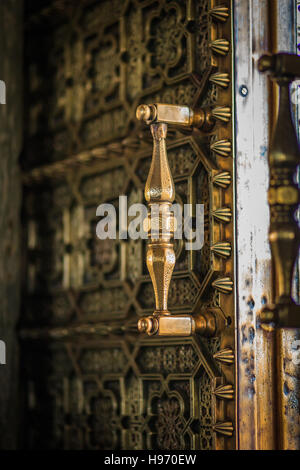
[(204, 324), (160, 193), (181, 116), (284, 157)]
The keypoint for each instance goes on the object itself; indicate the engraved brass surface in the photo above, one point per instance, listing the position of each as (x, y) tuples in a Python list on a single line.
[(181, 116), (90, 379), (159, 189)]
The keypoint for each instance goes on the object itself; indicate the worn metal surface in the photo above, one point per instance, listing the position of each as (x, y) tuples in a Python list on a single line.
[(255, 421), (266, 359)]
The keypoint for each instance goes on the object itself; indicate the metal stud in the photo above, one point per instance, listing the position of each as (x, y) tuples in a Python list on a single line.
[(222, 113), (220, 79), (225, 356), (222, 249), (223, 148), (225, 428), (223, 284), (220, 46), (220, 13), (222, 180), (223, 214), (224, 392)]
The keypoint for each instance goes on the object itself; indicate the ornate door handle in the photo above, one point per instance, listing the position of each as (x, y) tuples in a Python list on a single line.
[(160, 194), (284, 157)]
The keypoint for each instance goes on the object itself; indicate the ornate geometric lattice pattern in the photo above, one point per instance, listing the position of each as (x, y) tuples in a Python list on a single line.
[(96, 384)]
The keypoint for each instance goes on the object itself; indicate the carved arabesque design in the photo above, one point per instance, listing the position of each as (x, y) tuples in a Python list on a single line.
[(169, 424), (97, 401), (168, 359), (101, 68), (103, 297)]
